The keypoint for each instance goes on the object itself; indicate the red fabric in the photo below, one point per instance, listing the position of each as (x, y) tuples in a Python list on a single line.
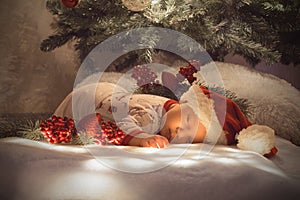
[(234, 120), (168, 104), (272, 153)]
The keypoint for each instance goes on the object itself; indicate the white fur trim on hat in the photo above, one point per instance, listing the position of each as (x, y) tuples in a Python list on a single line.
[(204, 109), (258, 138)]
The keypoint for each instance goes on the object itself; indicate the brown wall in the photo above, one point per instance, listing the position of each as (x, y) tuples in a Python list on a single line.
[(31, 80)]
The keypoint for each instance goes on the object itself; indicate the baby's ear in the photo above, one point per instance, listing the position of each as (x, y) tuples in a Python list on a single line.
[(169, 80)]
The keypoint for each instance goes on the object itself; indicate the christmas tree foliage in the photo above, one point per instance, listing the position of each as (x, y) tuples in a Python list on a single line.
[(255, 29)]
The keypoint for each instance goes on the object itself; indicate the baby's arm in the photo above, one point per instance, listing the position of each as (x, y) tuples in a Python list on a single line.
[(147, 140), (141, 123)]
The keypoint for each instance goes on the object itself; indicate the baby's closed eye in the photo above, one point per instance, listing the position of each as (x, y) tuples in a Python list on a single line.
[(178, 130)]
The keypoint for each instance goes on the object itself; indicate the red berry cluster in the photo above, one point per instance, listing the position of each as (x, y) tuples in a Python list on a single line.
[(109, 133), (58, 129), (188, 71), (143, 75)]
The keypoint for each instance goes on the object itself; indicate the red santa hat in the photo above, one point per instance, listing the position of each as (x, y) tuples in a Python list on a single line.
[(226, 124)]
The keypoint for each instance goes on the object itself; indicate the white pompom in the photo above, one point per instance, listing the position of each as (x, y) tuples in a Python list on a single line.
[(257, 138)]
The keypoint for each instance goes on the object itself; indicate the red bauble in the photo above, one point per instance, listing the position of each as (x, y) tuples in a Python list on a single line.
[(70, 3)]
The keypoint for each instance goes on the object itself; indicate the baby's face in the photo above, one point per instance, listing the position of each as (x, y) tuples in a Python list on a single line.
[(181, 125)]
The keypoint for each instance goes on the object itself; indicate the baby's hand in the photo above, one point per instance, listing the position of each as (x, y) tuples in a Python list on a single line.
[(155, 141)]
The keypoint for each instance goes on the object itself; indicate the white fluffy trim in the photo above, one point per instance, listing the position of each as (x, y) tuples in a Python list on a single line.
[(204, 109), (258, 138)]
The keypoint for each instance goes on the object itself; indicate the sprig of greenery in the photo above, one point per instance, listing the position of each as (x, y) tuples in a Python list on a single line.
[(82, 139), (31, 131)]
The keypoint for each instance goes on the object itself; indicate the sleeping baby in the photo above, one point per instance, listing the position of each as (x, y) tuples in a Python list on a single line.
[(154, 121)]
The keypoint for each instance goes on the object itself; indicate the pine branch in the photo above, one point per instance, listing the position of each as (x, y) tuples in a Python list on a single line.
[(248, 46), (55, 41), (82, 139), (10, 124), (253, 26), (31, 131)]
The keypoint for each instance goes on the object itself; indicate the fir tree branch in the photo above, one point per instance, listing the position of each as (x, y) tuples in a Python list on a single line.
[(55, 41), (262, 23)]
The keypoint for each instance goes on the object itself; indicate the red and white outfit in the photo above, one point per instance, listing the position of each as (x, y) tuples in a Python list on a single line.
[(137, 113)]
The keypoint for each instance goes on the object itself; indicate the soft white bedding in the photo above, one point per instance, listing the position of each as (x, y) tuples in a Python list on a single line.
[(36, 170)]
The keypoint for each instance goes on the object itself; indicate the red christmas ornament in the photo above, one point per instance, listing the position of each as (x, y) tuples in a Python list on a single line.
[(70, 3), (58, 129)]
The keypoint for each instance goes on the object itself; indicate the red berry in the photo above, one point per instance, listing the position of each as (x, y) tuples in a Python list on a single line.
[(189, 70), (58, 129)]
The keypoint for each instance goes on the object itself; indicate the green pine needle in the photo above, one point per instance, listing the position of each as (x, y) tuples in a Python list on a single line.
[(249, 28), (31, 130)]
